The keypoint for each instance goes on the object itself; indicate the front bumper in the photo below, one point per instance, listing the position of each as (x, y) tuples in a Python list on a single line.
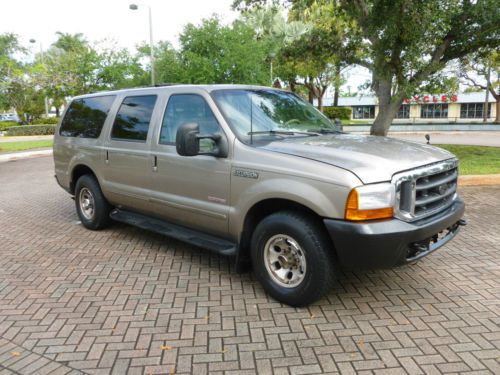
[(394, 242)]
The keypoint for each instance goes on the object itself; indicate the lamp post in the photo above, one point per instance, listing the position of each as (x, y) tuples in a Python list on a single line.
[(151, 56), (42, 56)]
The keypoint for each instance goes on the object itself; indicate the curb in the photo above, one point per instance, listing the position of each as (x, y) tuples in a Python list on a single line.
[(479, 180), (24, 155)]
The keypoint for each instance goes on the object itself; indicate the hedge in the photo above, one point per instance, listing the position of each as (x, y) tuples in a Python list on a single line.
[(4, 125), (32, 130), (46, 121), (343, 113)]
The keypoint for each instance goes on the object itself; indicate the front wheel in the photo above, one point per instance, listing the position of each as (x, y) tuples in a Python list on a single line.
[(91, 205), (292, 257)]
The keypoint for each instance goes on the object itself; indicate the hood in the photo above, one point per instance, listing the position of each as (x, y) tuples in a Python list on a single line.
[(371, 158)]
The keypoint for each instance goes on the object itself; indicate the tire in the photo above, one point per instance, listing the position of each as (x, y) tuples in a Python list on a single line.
[(92, 208), (280, 244)]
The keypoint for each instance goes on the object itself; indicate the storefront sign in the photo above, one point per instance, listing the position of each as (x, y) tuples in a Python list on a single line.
[(431, 99)]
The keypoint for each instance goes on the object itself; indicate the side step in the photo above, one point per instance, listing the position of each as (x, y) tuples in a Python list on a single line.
[(191, 236)]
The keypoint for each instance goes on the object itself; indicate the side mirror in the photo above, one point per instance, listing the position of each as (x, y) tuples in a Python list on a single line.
[(187, 142)]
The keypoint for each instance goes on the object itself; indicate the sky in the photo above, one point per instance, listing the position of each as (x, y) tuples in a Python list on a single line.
[(106, 19), (113, 20)]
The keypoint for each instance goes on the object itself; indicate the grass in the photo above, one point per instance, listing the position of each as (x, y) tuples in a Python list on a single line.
[(476, 159), (24, 145)]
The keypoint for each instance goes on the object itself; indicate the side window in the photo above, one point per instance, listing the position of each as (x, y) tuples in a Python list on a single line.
[(184, 109), (133, 118), (85, 117)]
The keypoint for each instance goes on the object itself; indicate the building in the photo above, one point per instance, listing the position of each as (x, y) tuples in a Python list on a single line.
[(425, 108)]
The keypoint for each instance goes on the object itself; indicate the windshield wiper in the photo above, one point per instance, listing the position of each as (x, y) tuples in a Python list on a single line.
[(325, 131), (281, 132), (272, 132)]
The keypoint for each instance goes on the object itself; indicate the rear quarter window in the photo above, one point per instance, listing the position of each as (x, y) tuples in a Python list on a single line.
[(85, 117), (133, 118)]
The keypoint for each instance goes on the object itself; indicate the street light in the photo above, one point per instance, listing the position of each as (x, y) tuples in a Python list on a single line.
[(152, 57), (42, 56)]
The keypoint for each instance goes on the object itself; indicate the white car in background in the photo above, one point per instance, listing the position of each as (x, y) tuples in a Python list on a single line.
[(9, 117)]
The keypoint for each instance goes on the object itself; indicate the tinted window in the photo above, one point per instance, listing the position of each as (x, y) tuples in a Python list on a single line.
[(85, 117), (133, 117), (184, 109)]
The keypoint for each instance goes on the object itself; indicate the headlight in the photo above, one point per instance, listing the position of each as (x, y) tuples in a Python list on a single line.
[(370, 202)]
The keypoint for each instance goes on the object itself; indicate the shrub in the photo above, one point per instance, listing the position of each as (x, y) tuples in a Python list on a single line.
[(7, 124), (32, 130), (46, 121), (343, 113)]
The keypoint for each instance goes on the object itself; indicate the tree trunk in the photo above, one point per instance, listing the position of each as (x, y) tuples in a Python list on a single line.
[(497, 117), (337, 86), (311, 95), (320, 102), (388, 107)]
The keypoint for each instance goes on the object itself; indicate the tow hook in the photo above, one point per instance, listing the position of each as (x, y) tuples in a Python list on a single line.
[(462, 222)]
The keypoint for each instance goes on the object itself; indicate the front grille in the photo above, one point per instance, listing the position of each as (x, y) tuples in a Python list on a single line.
[(425, 191)]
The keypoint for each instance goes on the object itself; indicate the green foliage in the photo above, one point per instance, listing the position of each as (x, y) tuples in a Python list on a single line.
[(343, 113), (169, 65), (214, 53), (45, 121), (31, 130), (4, 125)]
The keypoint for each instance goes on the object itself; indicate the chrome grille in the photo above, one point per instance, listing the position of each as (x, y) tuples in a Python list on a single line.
[(425, 191)]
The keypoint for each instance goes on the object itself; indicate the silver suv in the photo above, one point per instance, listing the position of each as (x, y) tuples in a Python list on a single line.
[(259, 175)]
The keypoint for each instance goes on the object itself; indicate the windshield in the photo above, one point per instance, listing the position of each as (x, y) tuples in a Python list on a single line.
[(264, 113)]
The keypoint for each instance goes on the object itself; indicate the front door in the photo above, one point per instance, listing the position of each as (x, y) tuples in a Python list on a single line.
[(191, 191), (126, 158)]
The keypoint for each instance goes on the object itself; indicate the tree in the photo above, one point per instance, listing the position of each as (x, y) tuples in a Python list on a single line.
[(214, 53), (404, 42), (10, 68), (169, 64), (482, 71), (407, 42)]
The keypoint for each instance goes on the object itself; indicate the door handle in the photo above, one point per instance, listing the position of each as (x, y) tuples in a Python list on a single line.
[(107, 157), (155, 163)]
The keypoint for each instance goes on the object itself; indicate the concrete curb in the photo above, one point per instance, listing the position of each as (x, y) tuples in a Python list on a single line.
[(23, 155), (478, 180)]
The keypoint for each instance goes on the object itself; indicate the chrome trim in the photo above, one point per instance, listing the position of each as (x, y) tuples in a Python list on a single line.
[(412, 176)]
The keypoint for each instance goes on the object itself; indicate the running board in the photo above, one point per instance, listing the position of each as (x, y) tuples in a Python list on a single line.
[(191, 236)]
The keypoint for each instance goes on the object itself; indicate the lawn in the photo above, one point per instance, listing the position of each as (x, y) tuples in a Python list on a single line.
[(24, 145), (476, 159)]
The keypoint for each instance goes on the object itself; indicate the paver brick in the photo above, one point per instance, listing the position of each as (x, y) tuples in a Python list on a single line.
[(126, 300)]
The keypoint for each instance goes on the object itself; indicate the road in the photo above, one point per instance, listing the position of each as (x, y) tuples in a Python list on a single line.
[(460, 138), (124, 300)]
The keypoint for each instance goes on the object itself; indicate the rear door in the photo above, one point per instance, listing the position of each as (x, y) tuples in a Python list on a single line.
[(191, 191), (126, 158)]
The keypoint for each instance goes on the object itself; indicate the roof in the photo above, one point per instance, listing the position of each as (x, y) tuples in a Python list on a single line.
[(208, 88), (466, 97)]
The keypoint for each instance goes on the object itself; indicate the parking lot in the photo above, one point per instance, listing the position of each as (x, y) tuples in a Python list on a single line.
[(123, 299)]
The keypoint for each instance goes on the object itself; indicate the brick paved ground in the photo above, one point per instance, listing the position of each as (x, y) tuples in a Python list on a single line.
[(75, 301)]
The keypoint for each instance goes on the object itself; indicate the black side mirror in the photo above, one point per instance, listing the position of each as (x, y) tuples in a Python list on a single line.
[(187, 141)]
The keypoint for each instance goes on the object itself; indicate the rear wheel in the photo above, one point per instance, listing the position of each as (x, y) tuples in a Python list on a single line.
[(91, 206), (292, 257)]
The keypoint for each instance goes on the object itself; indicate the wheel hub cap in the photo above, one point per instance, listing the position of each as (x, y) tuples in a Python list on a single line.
[(285, 260), (87, 203)]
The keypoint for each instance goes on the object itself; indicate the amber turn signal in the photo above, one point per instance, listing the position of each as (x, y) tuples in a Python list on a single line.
[(353, 213)]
